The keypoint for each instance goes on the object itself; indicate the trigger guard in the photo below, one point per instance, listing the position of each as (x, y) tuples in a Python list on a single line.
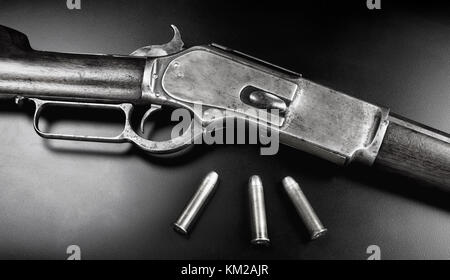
[(159, 147), (127, 135), (163, 147)]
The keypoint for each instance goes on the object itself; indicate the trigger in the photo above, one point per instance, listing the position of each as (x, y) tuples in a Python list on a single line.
[(153, 108)]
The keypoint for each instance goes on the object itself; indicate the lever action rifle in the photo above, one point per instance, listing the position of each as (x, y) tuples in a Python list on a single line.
[(314, 118)]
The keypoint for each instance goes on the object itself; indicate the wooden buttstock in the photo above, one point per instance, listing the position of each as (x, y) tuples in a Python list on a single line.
[(417, 152)]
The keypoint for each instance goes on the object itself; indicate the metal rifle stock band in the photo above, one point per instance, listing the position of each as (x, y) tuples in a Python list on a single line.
[(312, 118)]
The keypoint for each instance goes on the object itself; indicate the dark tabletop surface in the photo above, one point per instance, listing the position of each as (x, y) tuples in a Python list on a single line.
[(114, 201)]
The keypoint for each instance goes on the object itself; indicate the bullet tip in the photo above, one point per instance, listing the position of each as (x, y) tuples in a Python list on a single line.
[(213, 176), (255, 180), (288, 181)]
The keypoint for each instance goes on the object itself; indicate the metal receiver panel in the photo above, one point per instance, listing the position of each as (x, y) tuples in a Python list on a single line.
[(216, 79), (316, 119)]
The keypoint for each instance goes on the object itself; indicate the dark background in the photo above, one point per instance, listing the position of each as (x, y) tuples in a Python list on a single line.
[(117, 202)]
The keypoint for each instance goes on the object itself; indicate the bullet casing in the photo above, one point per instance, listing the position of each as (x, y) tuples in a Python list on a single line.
[(197, 203), (258, 212), (304, 209)]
